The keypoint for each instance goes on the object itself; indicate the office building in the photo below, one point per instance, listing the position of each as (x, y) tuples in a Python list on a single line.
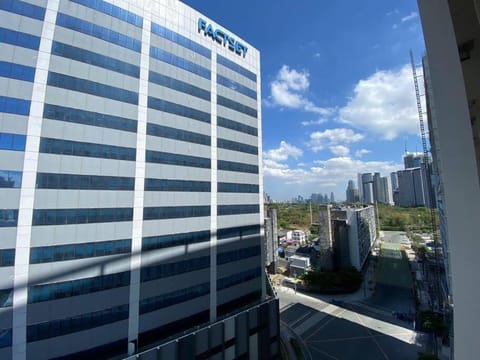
[(412, 160), (271, 240), (452, 35), (132, 197), (368, 193), (413, 188), (352, 192)]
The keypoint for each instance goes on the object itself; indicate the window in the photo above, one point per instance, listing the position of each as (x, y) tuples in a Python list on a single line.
[(85, 182), (237, 126), (178, 109), (5, 335), (75, 148), (8, 217), (237, 68), (170, 269), (112, 10), (7, 257), (237, 188), (92, 88), (235, 86), (177, 134), (77, 323), (177, 159), (173, 298), (237, 209), (239, 232), (175, 212), (23, 8), (180, 40), (238, 278), (238, 167), (92, 58), (236, 146), (18, 38), (80, 216), (97, 31), (12, 142), (44, 254), (176, 185), (164, 241), (14, 106), (179, 62), (236, 255), (16, 71), (179, 85), (244, 109), (10, 179)]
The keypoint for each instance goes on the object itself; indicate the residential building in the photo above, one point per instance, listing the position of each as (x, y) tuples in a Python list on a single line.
[(352, 192), (452, 68), (394, 181), (299, 236), (413, 188), (130, 134), (412, 160), (271, 240), (298, 265), (368, 191)]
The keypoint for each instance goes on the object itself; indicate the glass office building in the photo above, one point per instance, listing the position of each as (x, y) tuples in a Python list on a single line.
[(130, 183)]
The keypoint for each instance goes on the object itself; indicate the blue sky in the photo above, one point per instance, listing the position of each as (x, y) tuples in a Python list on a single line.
[(337, 88)]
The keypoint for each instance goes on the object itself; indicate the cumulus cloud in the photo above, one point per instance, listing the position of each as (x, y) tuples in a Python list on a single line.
[(384, 104), (340, 150), (314, 122), (361, 152), (409, 17), (289, 88), (332, 137), (283, 152)]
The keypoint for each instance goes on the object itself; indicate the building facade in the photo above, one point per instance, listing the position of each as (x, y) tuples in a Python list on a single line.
[(352, 192), (452, 33), (131, 182), (271, 240)]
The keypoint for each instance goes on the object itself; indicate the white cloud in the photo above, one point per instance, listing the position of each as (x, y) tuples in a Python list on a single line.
[(317, 55), (314, 122), (283, 152), (412, 16), (361, 152), (394, 26), (394, 11), (384, 104), (331, 137), (340, 150), (289, 88)]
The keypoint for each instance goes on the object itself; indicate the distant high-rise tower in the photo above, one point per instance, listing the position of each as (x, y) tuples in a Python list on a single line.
[(367, 188), (412, 160), (352, 192), (332, 197)]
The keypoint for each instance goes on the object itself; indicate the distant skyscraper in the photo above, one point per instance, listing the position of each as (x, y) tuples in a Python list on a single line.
[(351, 192), (413, 187), (367, 188), (332, 197), (412, 160), (394, 179)]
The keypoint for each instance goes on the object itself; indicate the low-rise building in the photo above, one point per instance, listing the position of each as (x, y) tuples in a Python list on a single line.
[(299, 236), (298, 265)]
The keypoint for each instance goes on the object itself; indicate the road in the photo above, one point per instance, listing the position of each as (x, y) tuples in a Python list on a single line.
[(355, 328)]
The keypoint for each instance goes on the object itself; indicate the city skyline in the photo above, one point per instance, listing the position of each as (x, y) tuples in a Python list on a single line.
[(328, 108)]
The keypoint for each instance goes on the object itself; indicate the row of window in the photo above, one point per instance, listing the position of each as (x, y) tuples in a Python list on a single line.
[(12, 141), (91, 118), (176, 268), (175, 212), (45, 254), (237, 167), (8, 217), (178, 85), (237, 188), (14, 106), (92, 58), (179, 62), (16, 71), (177, 134), (235, 86), (176, 159), (164, 241), (64, 289), (238, 231), (6, 299), (75, 148), (173, 298), (97, 31), (77, 323), (177, 109), (180, 40), (23, 8), (7, 257), (92, 88), (237, 68), (80, 216), (237, 126), (176, 185), (237, 209), (83, 182), (236, 146), (10, 179), (234, 105), (18, 38), (112, 10), (238, 278), (236, 255)]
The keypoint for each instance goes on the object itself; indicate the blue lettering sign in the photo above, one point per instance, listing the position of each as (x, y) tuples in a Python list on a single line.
[(222, 38)]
